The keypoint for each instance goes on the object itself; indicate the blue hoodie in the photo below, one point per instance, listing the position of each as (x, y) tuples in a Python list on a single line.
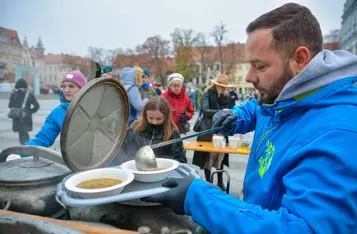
[(52, 127), (128, 77), (301, 175)]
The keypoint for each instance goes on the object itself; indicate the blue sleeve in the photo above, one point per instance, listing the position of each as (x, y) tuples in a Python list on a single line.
[(135, 99), (248, 113), (48, 133), (320, 195)]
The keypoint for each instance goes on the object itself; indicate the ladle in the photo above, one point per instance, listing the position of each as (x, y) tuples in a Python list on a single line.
[(145, 159)]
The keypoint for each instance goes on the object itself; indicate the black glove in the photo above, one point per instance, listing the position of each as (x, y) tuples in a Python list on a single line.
[(184, 118), (175, 197), (227, 120)]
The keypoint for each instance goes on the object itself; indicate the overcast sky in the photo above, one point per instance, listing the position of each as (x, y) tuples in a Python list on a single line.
[(70, 26)]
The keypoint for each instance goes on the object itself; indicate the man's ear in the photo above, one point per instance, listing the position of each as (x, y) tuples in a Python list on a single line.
[(300, 59)]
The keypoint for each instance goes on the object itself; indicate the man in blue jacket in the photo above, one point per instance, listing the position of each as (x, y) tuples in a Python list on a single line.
[(302, 171)]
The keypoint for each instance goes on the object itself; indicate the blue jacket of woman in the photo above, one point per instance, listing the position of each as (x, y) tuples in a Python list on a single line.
[(52, 127)]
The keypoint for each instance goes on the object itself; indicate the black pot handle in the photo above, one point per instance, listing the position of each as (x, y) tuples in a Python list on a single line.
[(35, 151), (7, 204)]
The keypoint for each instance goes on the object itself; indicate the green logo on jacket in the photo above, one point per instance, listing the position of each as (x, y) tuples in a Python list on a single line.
[(265, 161)]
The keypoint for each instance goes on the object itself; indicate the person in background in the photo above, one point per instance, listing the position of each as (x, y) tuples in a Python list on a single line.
[(22, 97), (181, 105), (72, 82), (233, 97), (214, 99), (193, 96), (157, 89), (146, 91), (155, 125), (200, 91), (302, 169), (132, 80), (107, 72)]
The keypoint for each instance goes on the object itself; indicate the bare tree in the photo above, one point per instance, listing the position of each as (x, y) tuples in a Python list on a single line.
[(203, 48), (159, 50), (103, 56), (182, 37), (96, 54), (183, 41), (219, 36), (72, 62), (231, 58)]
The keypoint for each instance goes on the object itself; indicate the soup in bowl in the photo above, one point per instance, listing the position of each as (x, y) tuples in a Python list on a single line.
[(100, 182), (165, 167)]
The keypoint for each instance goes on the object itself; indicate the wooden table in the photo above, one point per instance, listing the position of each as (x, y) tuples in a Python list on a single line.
[(205, 146), (74, 225)]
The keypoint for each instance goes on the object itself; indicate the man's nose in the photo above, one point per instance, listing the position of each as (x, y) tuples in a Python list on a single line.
[(251, 77)]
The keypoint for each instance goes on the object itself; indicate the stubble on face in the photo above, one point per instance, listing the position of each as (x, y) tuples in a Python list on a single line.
[(268, 96)]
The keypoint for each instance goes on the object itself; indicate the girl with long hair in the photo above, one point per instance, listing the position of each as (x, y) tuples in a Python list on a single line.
[(155, 125)]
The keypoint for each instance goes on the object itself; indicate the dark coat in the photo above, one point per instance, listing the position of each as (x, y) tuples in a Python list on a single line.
[(16, 100), (211, 104), (135, 140), (233, 96)]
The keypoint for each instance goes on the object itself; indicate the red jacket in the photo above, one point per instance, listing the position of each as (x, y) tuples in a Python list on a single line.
[(179, 103)]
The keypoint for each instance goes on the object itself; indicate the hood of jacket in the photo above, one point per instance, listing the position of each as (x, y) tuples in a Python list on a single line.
[(327, 80)]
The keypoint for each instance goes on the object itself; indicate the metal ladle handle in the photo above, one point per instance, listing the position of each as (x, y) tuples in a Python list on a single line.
[(185, 137), (191, 135)]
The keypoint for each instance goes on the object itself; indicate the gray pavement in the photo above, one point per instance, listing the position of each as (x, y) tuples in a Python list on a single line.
[(8, 138)]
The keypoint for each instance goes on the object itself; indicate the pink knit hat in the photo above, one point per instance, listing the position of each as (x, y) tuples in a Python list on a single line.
[(75, 77)]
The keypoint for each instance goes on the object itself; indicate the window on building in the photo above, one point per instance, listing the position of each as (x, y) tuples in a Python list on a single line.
[(3, 49), (4, 60), (211, 67), (16, 51), (240, 67), (247, 67), (240, 79), (218, 67), (3, 39)]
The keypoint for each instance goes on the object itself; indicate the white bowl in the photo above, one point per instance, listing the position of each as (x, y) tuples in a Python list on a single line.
[(152, 176), (113, 173)]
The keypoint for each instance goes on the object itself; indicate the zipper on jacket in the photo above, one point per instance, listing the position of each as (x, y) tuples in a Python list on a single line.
[(152, 138), (264, 135)]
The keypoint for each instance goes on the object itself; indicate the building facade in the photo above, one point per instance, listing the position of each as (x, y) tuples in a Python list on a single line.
[(32, 57), (348, 32), (10, 53), (241, 85), (234, 65), (57, 65)]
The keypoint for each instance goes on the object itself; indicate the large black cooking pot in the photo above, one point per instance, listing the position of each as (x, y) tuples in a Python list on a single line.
[(93, 131)]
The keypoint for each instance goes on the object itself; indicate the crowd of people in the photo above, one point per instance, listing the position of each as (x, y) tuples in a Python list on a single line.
[(301, 173)]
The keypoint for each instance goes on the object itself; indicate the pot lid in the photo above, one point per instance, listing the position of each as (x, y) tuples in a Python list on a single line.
[(95, 125), (27, 171)]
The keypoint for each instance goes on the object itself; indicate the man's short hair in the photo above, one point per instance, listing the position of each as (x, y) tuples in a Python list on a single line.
[(292, 25)]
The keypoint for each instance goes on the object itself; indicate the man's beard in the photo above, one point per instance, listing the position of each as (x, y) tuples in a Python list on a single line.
[(269, 96)]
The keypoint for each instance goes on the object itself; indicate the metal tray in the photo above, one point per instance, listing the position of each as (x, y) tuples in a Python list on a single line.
[(134, 190)]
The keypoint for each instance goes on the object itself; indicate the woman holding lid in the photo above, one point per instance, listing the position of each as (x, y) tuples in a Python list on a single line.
[(72, 82)]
